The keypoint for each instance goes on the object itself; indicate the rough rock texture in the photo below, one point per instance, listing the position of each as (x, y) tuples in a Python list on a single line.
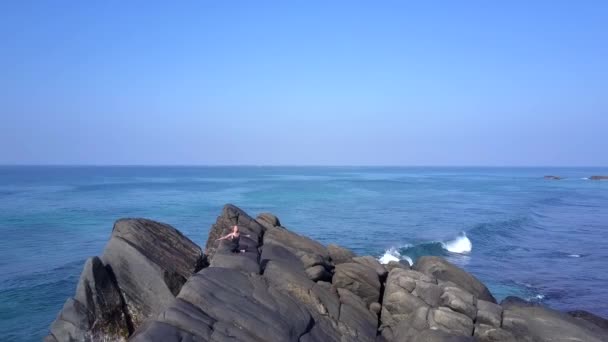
[(359, 279), (443, 270), (150, 261), (96, 311), (251, 237), (149, 286), (536, 323), (340, 255), (372, 263), (142, 269)]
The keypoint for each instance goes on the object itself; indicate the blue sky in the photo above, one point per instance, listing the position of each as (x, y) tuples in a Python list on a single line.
[(304, 82)]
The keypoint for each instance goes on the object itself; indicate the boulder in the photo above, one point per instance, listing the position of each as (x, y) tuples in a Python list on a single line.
[(428, 291), (489, 313), (397, 264), (268, 220), (598, 178), (598, 321), (440, 336), (461, 301), (150, 262), (489, 333), (187, 317), (232, 215), (398, 301), (294, 242), (340, 255), (96, 311), (450, 321), (443, 270), (550, 177), (356, 319), (359, 279), (318, 272), (154, 331), (537, 323), (413, 325), (372, 263), (221, 304)]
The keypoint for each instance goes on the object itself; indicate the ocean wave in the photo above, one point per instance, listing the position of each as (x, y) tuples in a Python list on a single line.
[(460, 245), (392, 254)]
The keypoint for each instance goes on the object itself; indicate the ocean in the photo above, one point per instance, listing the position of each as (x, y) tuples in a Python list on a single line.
[(522, 235)]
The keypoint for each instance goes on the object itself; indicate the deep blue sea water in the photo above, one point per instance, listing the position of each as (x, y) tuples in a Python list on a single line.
[(520, 234)]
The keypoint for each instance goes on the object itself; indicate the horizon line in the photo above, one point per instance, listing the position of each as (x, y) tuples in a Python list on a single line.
[(298, 165)]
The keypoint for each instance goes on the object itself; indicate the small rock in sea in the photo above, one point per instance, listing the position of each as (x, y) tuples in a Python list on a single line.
[(598, 178), (549, 177)]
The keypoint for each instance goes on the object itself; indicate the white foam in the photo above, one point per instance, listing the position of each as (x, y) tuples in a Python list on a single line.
[(392, 254), (574, 255), (408, 259), (460, 245)]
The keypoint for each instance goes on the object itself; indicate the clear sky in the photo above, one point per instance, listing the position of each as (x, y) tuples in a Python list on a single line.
[(304, 82)]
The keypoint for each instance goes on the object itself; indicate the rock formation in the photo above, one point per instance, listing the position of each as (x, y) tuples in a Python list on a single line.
[(598, 178), (153, 284)]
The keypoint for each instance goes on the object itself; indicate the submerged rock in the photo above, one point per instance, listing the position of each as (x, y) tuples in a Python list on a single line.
[(549, 177)]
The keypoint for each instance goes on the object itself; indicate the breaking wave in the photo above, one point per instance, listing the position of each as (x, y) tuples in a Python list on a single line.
[(459, 245)]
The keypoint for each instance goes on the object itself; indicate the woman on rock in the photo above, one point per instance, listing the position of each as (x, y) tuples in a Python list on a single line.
[(234, 238)]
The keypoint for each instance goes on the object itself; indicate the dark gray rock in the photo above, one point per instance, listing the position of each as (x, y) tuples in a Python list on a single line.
[(318, 273), (398, 301), (443, 270), (247, 301), (375, 307), (450, 321), (372, 263), (154, 331), (440, 336), (587, 316), (96, 312), (268, 220), (488, 333), (536, 323), (359, 279), (598, 178), (460, 300), (294, 242), (516, 301), (489, 313), (397, 264), (189, 318), (550, 177), (231, 216), (150, 261), (340, 255), (355, 318), (429, 292), (72, 323), (411, 326)]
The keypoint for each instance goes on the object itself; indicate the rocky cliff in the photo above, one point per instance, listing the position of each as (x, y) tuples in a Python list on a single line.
[(154, 284)]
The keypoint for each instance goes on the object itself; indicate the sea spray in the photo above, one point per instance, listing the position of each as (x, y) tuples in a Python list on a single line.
[(460, 245)]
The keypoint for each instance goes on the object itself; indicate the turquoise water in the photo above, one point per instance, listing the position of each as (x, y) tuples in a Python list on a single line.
[(522, 235)]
